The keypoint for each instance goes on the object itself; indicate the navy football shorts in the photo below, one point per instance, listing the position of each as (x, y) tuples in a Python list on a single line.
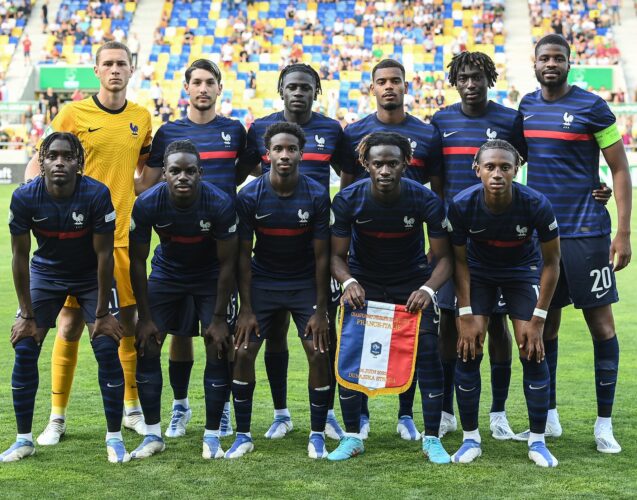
[(587, 278), (520, 296), (48, 298), (447, 299), (267, 304)]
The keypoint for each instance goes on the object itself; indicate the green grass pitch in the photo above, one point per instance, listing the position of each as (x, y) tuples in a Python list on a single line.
[(390, 468)]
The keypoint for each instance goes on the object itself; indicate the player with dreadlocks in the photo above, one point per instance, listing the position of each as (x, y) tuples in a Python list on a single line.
[(493, 226), (73, 220), (299, 86), (464, 127)]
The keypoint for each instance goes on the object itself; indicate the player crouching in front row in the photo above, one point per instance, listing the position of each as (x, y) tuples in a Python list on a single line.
[(195, 261), (493, 225), (73, 220)]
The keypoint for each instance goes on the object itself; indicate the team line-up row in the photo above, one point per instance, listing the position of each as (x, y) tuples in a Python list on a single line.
[(376, 252)]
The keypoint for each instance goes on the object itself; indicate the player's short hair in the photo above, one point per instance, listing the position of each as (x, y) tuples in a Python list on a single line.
[(183, 146), (388, 63), (204, 64), (300, 68), (498, 144), (74, 142), (114, 46), (384, 139), (553, 39), (283, 128), (477, 59)]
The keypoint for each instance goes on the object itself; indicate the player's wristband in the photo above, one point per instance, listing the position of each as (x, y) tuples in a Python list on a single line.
[(464, 311), (27, 317), (348, 282), (102, 315), (540, 313), (429, 290)]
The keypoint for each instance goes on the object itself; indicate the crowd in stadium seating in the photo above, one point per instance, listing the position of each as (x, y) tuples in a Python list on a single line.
[(586, 24)]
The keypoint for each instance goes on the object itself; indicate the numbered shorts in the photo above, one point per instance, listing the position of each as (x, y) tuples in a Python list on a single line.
[(122, 294), (446, 296), (268, 304), (49, 296), (170, 301), (399, 294), (520, 296), (586, 277)]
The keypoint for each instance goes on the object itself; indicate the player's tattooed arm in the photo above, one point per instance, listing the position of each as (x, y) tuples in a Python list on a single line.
[(217, 333), (318, 325), (620, 250), (145, 330), (246, 321), (24, 325), (470, 335), (353, 292), (105, 323)]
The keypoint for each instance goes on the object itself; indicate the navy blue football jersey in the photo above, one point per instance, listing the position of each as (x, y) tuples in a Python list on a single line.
[(285, 228), (501, 246), (388, 242), (563, 161), (424, 140), (219, 142), (323, 148), (187, 250), (462, 136), (63, 228)]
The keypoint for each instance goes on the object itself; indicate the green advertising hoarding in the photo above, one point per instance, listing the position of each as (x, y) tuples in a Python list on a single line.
[(68, 78), (590, 76)]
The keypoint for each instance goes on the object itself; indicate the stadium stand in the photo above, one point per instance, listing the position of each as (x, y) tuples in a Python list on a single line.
[(13, 19), (586, 24), (343, 40), (80, 26)]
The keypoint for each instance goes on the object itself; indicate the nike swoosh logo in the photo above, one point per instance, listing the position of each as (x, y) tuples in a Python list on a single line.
[(163, 225), (141, 381), (600, 295), (434, 396), (501, 304), (346, 398), (466, 390), (363, 221), (336, 298), (259, 217), (53, 392), (447, 134), (219, 385), (240, 400), (533, 388), (603, 384), (526, 117), (38, 220), (17, 388), (94, 129), (478, 231), (317, 406), (108, 384)]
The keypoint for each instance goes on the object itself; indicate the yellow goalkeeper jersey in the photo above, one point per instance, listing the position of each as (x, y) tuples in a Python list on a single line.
[(113, 142)]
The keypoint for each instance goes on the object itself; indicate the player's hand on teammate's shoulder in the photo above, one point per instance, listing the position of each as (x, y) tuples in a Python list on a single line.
[(24, 328), (468, 336), (109, 326), (218, 335), (620, 251), (246, 324), (145, 331), (354, 295), (531, 344), (418, 300), (318, 327), (603, 194)]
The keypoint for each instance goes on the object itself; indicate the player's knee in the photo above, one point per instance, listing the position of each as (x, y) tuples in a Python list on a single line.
[(498, 328), (318, 360), (245, 357), (152, 350), (600, 322), (181, 348), (104, 348), (27, 351), (70, 324)]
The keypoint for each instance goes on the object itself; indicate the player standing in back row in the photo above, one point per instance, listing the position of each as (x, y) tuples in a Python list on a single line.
[(565, 128)]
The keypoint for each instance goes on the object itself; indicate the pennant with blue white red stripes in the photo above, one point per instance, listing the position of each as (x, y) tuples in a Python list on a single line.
[(377, 347)]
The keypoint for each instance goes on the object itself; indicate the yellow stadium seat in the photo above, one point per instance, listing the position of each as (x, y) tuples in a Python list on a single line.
[(130, 6)]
